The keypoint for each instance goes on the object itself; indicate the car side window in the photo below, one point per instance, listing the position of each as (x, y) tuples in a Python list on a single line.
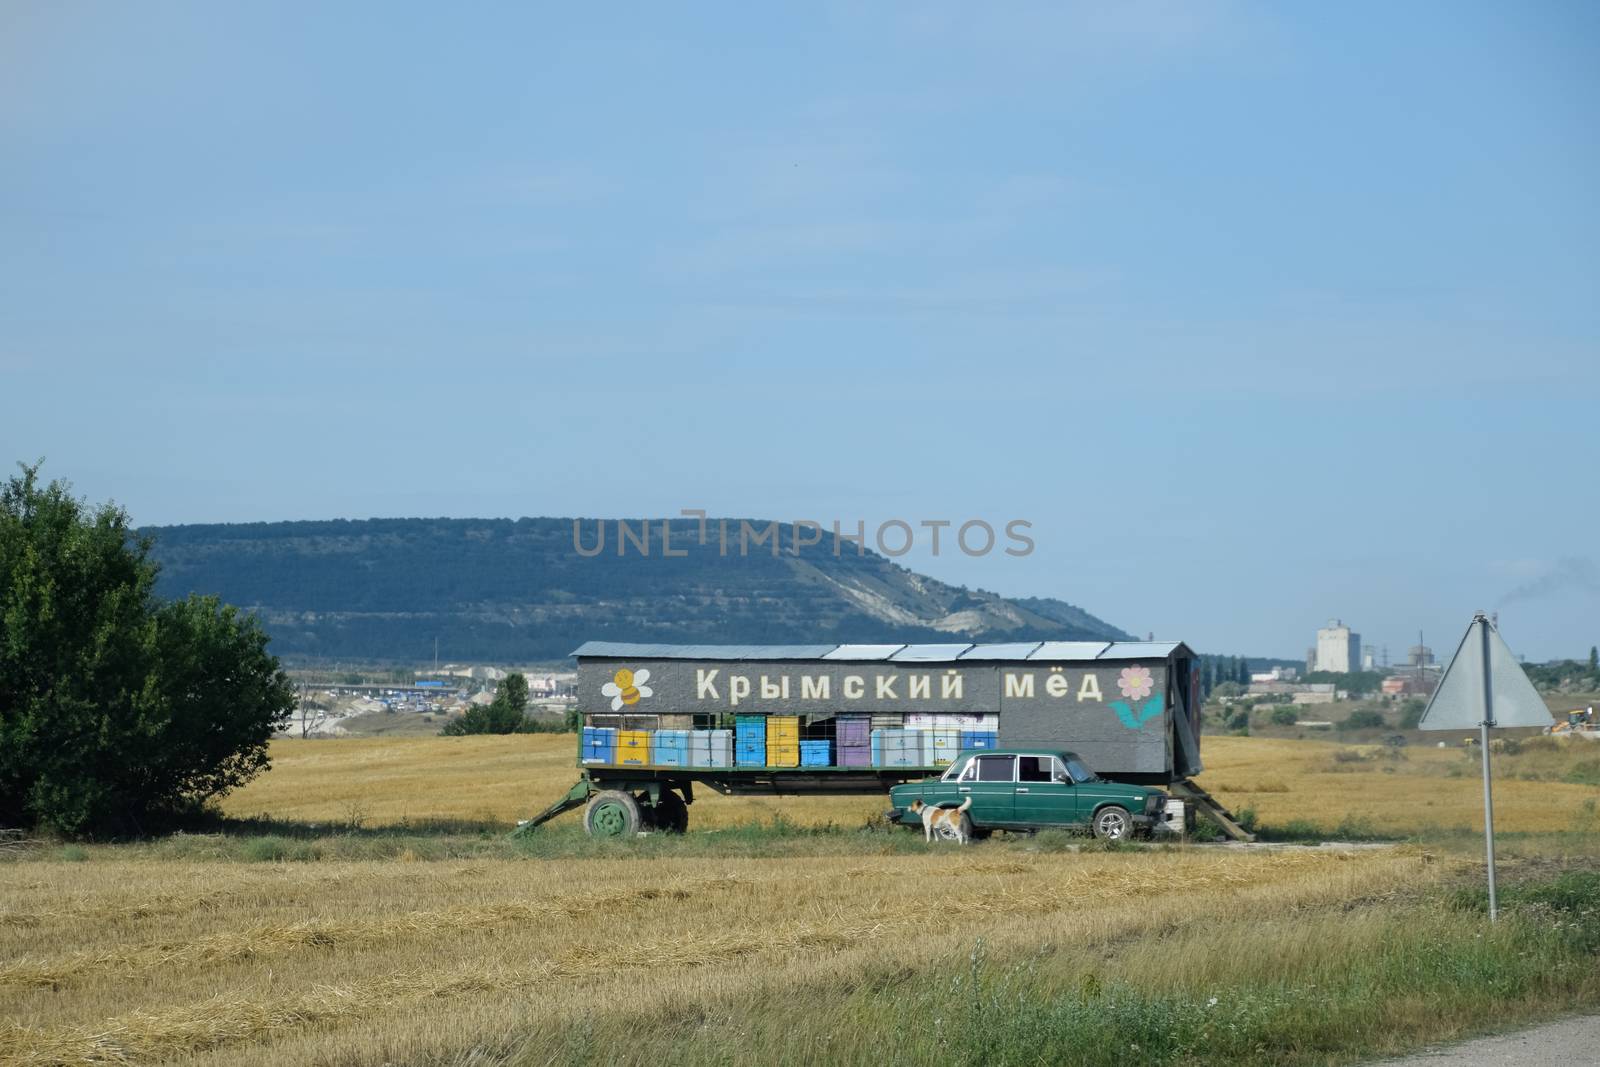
[(996, 768), (1035, 768), (1061, 774)]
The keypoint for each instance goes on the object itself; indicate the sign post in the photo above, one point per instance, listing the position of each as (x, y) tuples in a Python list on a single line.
[(1483, 679)]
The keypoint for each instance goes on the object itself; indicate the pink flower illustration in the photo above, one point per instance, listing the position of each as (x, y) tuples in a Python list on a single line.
[(1136, 683)]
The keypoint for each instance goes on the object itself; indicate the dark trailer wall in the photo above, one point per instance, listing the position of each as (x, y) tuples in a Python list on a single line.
[(1126, 707)]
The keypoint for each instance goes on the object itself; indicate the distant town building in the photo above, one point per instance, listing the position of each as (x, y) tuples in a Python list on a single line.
[(1338, 648), (1277, 674), (1298, 692)]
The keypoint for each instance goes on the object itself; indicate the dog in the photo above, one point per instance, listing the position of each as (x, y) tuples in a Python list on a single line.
[(942, 819)]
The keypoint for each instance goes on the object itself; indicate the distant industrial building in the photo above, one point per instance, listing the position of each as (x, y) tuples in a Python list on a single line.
[(1338, 649)]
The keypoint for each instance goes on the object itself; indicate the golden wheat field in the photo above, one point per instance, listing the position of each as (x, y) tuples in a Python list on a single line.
[(404, 962), (503, 779), (370, 943)]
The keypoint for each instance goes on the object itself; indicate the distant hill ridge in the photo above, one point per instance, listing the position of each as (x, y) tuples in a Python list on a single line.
[(516, 590)]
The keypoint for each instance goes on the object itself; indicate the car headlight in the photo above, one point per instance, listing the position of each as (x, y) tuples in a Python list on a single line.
[(1154, 803)]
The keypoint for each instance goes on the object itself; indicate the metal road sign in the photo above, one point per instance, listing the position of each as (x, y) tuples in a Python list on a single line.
[(1458, 702), (1484, 686)]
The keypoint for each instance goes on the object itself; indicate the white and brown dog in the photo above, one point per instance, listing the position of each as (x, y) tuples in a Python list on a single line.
[(946, 822)]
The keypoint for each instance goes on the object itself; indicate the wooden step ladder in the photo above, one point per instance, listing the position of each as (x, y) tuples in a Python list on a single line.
[(1208, 805)]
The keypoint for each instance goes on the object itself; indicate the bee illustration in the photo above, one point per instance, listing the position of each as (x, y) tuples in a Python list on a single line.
[(627, 687)]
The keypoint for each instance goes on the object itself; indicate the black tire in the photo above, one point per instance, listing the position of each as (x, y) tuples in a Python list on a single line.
[(943, 832), (1113, 823), (612, 813), (671, 814), (978, 833)]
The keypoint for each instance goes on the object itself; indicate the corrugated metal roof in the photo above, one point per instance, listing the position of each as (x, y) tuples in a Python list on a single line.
[(1030, 651), (1139, 650), (930, 653), (1012, 652), (626, 650), (865, 653), (790, 651), (1058, 651), (629, 650)]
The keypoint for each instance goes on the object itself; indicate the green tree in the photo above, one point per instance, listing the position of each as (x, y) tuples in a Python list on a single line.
[(1285, 716), (1594, 659), (1411, 709), (115, 708), (506, 714)]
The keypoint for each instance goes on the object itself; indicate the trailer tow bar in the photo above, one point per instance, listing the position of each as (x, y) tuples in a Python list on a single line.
[(575, 798)]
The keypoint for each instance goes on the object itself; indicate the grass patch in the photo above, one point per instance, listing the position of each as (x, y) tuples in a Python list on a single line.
[(271, 849), (1328, 986)]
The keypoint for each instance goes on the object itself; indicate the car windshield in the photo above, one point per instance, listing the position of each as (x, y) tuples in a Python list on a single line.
[(955, 770), (1079, 772)]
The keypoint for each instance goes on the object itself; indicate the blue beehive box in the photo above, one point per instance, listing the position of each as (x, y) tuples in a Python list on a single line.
[(599, 744), (980, 739), (815, 753), (670, 748), (750, 741)]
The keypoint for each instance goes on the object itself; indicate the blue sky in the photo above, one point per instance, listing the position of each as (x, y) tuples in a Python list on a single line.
[(1259, 314)]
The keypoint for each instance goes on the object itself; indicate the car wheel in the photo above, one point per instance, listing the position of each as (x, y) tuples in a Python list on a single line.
[(1112, 823)]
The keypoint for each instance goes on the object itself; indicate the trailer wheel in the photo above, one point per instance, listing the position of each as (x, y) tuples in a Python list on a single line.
[(1112, 823), (611, 814), (671, 814)]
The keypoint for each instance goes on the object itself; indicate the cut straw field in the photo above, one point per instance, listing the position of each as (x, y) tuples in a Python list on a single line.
[(358, 933), (363, 962), (1321, 783)]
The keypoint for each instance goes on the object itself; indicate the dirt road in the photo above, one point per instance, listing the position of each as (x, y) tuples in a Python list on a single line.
[(1570, 1041)]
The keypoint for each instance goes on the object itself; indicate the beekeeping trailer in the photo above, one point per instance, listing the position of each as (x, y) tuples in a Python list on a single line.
[(839, 719)]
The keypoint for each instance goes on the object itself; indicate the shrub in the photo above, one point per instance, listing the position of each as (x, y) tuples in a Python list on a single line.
[(1284, 717), (117, 710), (1363, 719)]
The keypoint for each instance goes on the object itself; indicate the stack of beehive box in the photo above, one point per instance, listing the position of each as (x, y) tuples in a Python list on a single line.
[(783, 741), (750, 741)]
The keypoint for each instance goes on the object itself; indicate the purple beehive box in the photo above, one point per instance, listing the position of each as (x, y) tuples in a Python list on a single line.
[(854, 740)]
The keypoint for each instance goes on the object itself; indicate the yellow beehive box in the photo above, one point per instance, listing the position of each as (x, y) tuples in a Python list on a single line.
[(783, 753), (633, 747), (784, 729)]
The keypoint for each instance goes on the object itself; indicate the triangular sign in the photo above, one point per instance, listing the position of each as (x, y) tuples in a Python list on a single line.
[(1457, 703)]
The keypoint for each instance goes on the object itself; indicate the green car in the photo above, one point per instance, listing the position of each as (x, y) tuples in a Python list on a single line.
[(1032, 789)]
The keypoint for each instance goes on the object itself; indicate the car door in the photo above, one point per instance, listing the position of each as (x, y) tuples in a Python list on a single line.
[(1046, 795), (991, 782)]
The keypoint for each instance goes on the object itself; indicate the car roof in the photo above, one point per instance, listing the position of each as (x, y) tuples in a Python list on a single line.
[(1019, 750)]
